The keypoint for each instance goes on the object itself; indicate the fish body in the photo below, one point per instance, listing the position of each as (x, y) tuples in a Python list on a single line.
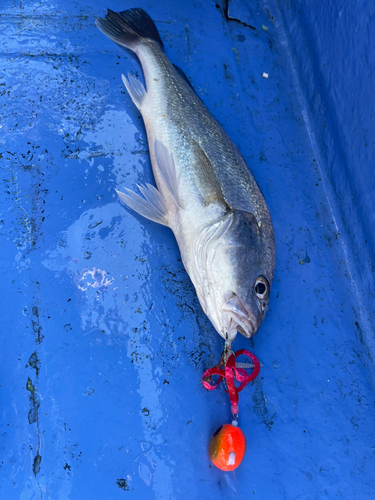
[(205, 192)]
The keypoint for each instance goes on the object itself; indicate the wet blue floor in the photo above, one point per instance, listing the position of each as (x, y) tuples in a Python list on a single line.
[(103, 342)]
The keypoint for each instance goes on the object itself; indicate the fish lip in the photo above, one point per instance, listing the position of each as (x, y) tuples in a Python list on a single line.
[(236, 315), (248, 328)]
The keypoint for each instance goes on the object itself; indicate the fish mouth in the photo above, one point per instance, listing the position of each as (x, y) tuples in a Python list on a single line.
[(237, 318)]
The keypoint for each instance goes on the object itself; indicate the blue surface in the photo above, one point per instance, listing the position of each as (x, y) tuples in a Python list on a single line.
[(103, 341), (333, 59)]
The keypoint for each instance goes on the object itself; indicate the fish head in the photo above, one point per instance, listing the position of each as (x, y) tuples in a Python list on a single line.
[(240, 273)]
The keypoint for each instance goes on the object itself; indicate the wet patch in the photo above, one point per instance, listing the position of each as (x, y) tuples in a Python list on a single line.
[(37, 329), (34, 402), (34, 363), (305, 260), (122, 484), (177, 283), (146, 411), (34, 398), (260, 406), (36, 464)]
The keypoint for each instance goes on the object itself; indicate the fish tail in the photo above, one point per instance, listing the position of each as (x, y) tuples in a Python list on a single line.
[(129, 28)]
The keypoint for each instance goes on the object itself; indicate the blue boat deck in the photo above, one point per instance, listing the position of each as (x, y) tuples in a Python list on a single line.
[(103, 340)]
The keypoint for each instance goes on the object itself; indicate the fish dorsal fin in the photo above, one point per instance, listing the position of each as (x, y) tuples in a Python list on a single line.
[(167, 170), (206, 182), (181, 73), (135, 88), (152, 206)]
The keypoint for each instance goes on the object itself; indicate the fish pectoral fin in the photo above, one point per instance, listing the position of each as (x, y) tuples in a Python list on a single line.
[(207, 184), (152, 206), (167, 170), (135, 89)]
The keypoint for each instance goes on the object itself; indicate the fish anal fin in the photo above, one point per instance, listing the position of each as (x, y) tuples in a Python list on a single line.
[(135, 89)]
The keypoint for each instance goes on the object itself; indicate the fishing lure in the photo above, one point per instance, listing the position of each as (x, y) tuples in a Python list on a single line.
[(227, 445)]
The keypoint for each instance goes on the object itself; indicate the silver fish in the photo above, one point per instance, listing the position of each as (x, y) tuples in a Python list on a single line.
[(205, 192)]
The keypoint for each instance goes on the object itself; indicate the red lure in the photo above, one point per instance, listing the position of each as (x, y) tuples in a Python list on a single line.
[(227, 445)]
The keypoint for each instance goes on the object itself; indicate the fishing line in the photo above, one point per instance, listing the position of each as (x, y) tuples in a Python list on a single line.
[(237, 488)]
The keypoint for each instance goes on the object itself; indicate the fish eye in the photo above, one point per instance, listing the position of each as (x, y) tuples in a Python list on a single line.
[(261, 287)]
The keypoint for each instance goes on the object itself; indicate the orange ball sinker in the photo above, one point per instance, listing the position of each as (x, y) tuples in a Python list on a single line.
[(227, 447)]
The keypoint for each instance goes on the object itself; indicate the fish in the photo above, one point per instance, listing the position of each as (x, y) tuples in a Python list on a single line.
[(204, 193)]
